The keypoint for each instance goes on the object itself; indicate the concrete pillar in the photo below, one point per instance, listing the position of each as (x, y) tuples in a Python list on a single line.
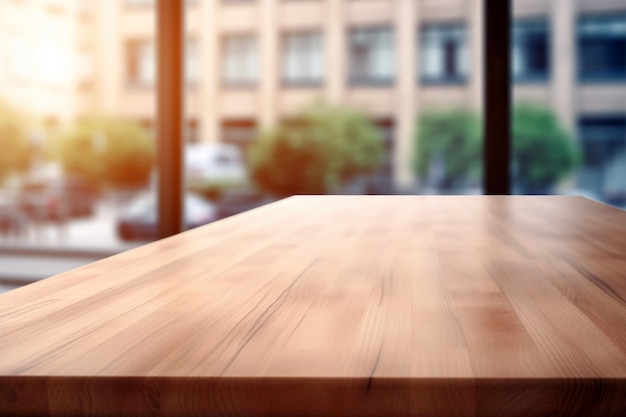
[(563, 61), (335, 50), (110, 60), (210, 72), (268, 59), (405, 90)]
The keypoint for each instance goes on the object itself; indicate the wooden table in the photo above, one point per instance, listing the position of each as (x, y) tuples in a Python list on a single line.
[(337, 306)]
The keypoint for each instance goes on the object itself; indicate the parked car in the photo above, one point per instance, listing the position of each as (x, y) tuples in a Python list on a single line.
[(58, 199), (214, 162), (139, 220)]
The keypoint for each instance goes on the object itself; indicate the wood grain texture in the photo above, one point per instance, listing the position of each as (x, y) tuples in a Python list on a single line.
[(337, 306)]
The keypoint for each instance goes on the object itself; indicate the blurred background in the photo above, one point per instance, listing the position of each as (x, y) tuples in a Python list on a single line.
[(288, 97)]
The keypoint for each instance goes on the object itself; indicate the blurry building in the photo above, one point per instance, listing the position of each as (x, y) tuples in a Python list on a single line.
[(251, 63), (571, 55), (47, 58)]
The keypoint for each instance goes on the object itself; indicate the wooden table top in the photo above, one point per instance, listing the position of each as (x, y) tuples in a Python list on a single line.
[(337, 306)]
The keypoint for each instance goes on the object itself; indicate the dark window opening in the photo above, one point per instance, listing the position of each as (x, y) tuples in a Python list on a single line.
[(602, 48), (443, 54), (530, 51), (370, 56), (140, 63)]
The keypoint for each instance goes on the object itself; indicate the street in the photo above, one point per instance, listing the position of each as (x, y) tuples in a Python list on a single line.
[(95, 232), (47, 249)]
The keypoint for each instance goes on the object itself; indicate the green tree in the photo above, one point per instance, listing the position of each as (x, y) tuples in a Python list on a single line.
[(16, 152), (107, 151), (452, 138), (318, 150), (543, 152)]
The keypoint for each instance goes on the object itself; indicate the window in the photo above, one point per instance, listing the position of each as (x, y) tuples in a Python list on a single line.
[(444, 54), (603, 140), (240, 61), (602, 47), (302, 59), (371, 56), (140, 63), (530, 51), (239, 132)]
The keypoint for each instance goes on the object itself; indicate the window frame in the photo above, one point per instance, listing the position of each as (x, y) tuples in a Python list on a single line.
[(301, 82), (461, 79), (170, 70), (367, 81), (596, 78), (224, 82), (530, 78), (138, 84)]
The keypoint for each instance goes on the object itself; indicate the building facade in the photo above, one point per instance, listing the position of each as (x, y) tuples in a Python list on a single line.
[(252, 63), (46, 55)]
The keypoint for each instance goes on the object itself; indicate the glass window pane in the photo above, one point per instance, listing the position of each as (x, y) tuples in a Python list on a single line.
[(302, 56), (444, 53), (371, 55), (77, 117), (569, 124), (240, 60), (340, 99)]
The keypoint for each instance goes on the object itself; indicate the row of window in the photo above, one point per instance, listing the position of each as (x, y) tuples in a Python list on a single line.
[(601, 43), (141, 62), (444, 54)]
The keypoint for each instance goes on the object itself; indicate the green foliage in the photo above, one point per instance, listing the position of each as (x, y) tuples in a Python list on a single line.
[(455, 137), (317, 151), (15, 149), (543, 151), (107, 151)]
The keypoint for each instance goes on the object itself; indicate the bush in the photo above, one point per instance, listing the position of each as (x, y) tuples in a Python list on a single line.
[(16, 152), (320, 149), (455, 138), (110, 152), (543, 151)]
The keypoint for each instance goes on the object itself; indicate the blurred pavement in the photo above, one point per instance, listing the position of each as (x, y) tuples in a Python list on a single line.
[(51, 248)]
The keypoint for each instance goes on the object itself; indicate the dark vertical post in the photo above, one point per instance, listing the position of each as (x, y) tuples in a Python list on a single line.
[(170, 111), (497, 93)]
